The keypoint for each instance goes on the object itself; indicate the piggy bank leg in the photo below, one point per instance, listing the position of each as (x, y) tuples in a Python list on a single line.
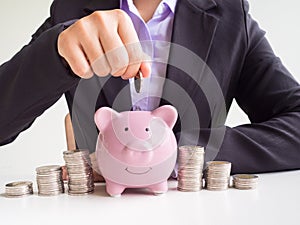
[(159, 188), (114, 189)]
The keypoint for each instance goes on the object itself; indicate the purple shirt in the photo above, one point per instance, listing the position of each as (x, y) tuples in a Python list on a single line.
[(157, 31)]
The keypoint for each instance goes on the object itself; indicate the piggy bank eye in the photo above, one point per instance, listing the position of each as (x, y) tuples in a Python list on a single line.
[(147, 129), (126, 129)]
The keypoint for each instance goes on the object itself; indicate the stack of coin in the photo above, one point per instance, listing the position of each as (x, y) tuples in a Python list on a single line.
[(49, 180), (18, 189), (245, 181), (190, 166), (217, 175), (80, 172)]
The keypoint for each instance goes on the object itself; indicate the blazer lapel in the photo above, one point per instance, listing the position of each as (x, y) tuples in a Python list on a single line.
[(193, 31), (193, 27)]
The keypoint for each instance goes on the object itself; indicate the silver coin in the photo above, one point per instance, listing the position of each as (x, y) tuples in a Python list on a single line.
[(79, 170), (49, 180), (190, 167), (80, 193), (48, 169), (138, 82), (245, 177), (217, 175), (80, 173), (50, 193), (49, 175), (78, 158), (18, 189), (245, 181), (76, 152)]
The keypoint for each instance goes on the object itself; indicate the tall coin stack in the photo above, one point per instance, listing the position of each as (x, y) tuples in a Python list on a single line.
[(217, 175), (18, 189), (80, 172), (245, 181), (49, 180), (190, 166)]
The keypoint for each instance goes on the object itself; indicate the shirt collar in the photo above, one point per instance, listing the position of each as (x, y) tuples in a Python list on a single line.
[(171, 4), (125, 4)]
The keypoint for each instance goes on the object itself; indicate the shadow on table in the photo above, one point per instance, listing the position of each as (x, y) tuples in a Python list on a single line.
[(2, 195), (100, 190)]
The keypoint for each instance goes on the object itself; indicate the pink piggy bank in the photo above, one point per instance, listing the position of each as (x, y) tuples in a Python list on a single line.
[(136, 149)]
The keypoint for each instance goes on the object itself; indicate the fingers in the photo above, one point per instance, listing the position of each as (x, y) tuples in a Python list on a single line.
[(122, 47), (145, 69), (104, 42), (75, 56), (135, 59), (116, 56), (130, 40), (113, 46), (93, 51), (134, 49), (78, 62)]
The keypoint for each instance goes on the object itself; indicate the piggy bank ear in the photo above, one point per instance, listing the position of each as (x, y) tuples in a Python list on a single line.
[(167, 113), (104, 116)]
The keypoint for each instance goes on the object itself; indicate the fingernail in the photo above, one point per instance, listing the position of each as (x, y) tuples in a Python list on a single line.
[(125, 78), (89, 74)]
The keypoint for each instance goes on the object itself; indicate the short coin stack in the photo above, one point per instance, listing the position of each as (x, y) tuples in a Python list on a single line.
[(18, 189), (190, 166), (245, 181), (49, 180), (217, 175), (80, 172)]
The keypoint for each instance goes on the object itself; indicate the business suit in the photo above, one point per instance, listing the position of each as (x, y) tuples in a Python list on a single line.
[(222, 34)]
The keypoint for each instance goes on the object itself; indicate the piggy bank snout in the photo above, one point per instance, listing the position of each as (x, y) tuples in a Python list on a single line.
[(139, 146), (137, 153)]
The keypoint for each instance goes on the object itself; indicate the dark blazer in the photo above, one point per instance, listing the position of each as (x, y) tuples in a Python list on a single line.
[(237, 62)]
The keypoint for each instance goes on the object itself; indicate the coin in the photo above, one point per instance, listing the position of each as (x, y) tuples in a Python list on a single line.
[(190, 166), (49, 180), (138, 82), (245, 181), (46, 169), (18, 189), (217, 175), (80, 172)]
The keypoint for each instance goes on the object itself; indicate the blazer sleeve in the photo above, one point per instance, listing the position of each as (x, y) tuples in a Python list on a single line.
[(33, 80), (270, 96)]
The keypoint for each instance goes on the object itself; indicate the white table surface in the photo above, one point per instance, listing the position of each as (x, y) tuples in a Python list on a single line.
[(275, 201)]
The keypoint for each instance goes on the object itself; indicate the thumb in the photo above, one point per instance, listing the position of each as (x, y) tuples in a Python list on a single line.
[(145, 69)]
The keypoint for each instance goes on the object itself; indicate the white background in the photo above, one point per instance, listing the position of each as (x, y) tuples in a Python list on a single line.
[(45, 141)]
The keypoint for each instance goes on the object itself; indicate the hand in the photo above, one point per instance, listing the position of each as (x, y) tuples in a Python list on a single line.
[(103, 43)]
